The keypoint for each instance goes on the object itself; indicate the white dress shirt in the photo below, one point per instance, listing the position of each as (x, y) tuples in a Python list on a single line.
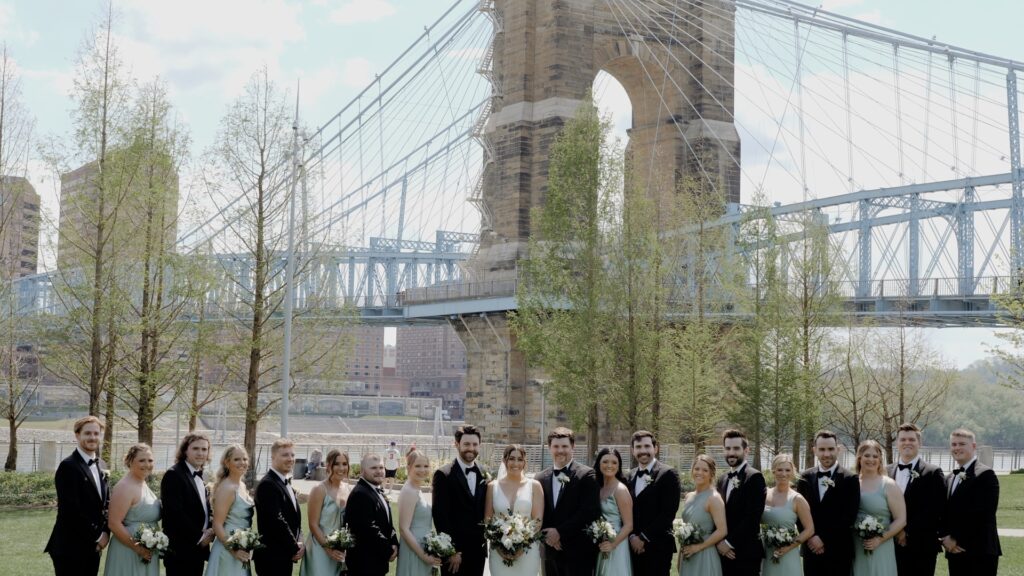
[(470, 476), (822, 488), (94, 469), (201, 488), (556, 486), (903, 476), (642, 481), (728, 486), (956, 479), (288, 489)]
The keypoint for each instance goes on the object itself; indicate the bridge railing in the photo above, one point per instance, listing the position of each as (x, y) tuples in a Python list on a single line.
[(458, 291)]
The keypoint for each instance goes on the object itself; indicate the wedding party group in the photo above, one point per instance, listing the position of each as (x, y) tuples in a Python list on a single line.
[(567, 520)]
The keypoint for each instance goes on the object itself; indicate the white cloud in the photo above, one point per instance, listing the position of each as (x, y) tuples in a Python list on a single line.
[(11, 30), (59, 81), (357, 72), (356, 11)]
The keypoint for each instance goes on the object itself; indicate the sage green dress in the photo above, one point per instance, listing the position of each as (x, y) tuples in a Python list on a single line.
[(883, 561), (122, 560), (221, 562), (316, 562), (706, 562), (781, 517), (409, 564), (617, 563)]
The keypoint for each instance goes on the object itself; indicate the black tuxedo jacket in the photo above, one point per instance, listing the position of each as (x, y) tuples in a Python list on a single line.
[(279, 523), (743, 512), (925, 497), (579, 504), (367, 519), (183, 515), (655, 508), (833, 515), (970, 515), (81, 509), (458, 512)]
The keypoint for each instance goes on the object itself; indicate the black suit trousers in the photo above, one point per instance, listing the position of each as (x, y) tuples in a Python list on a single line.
[(274, 566), (741, 566), (826, 564), (915, 562), (184, 566), (472, 564), (973, 564), (652, 563), (567, 563), (85, 564)]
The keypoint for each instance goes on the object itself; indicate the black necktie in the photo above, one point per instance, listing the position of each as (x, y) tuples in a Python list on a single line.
[(643, 472), (93, 462), (826, 474), (199, 474), (904, 466)]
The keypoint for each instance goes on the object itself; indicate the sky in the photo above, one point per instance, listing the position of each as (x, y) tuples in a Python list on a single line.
[(205, 50)]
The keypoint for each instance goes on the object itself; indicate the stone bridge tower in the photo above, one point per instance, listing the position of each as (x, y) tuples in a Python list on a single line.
[(676, 66)]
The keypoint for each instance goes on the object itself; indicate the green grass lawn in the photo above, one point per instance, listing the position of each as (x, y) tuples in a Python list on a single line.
[(24, 534)]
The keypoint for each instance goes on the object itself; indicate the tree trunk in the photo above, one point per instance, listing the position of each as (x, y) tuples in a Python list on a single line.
[(11, 464), (108, 431)]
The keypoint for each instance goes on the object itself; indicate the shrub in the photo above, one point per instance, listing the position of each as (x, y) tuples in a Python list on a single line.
[(20, 489)]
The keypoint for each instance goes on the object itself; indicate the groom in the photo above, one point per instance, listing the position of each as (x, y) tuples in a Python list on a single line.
[(833, 493), (459, 493), (571, 503), (656, 491), (924, 490), (743, 490), (278, 515), (81, 532)]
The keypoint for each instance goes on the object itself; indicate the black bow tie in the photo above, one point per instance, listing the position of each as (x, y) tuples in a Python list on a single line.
[(288, 481), (381, 491), (904, 466), (474, 469), (959, 471), (643, 472), (198, 474), (826, 474), (93, 462), (558, 471), (733, 474)]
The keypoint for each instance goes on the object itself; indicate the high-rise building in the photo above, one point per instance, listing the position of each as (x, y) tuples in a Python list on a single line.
[(19, 227), (433, 360), (128, 189)]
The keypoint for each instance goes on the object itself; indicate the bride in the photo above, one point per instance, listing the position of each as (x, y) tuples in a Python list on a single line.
[(514, 491)]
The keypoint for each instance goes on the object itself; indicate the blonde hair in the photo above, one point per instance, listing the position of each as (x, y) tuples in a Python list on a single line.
[(783, 457), (413, 456), (134, 452), (279, 444), (867, 445), (707, 460), (222, 470), (81, 422), (963, 433)]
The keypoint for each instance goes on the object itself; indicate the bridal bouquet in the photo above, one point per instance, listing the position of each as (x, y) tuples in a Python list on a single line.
[(510, 534), (439, 545), (686, 533), (600, 530), (777, 537), (245, 540), (341, 539), (869, 527), (152, 539)]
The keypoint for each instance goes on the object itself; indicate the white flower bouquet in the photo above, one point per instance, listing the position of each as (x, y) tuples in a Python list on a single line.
[(245, 540), (687, 533), (777, 537), (601, 530), (438, 545), (510, 534), (341, 540), (152, 539), (868, 527)]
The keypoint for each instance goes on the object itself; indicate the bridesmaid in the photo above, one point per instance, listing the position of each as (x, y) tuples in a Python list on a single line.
[(882, 498), (617, 508), (132, 503), (783, 507), (232, 510), (414, 519), (703, 507), (325, 508)]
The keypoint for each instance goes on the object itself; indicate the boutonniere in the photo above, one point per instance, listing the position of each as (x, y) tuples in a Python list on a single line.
[(734, 482), (961, 476), (562, 478), (485, 477), (827, 482), (914, 475), (105, 474)]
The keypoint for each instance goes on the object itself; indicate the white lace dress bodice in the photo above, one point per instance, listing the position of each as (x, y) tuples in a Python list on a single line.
[(529, 563)]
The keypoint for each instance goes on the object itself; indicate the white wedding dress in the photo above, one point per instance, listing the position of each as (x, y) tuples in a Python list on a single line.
[(529, 563)]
